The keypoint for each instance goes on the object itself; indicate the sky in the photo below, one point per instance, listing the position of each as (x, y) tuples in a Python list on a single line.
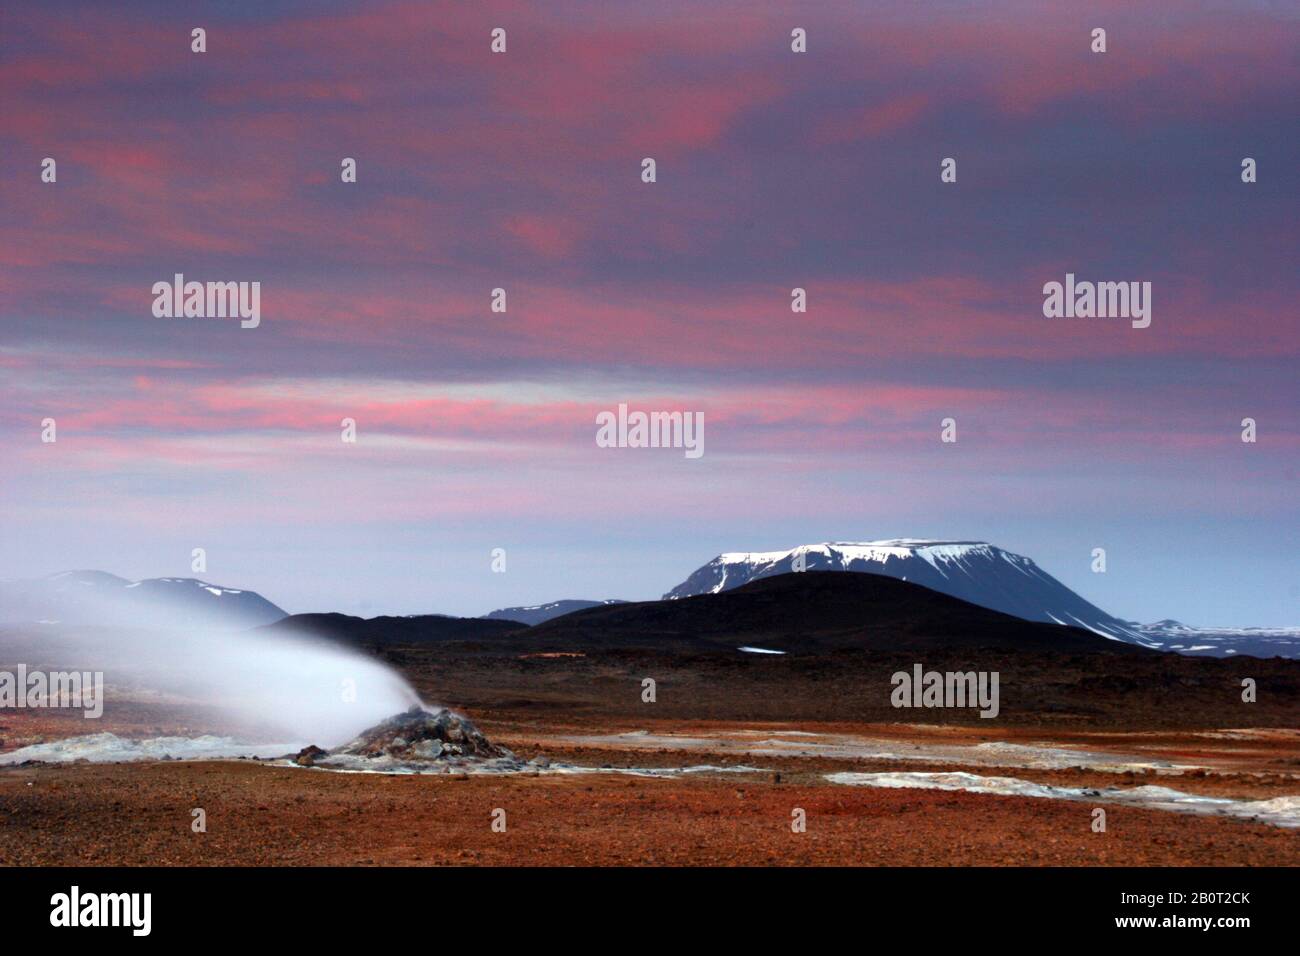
[(522, 170)]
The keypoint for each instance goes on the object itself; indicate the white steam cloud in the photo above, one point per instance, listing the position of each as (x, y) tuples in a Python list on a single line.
[(260, 681), (294, 686)]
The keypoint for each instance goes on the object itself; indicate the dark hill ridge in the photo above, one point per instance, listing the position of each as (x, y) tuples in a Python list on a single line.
[(413, 629), (813, 612), (808, 613)]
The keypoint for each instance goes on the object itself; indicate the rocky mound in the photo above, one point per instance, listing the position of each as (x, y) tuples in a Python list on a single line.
[(415, 741)]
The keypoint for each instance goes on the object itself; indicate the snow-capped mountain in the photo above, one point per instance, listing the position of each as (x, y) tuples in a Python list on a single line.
[(537, 613), (99, 598), (974, 571)]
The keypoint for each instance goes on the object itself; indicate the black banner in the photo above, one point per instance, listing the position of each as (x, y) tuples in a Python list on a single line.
[(478, 904)]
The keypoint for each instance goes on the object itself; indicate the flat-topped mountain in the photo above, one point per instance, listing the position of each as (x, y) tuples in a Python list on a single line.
[(974, 571)]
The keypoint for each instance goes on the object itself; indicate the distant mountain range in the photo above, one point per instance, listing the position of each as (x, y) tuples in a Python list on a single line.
[(972, 571), (102, 599), (539, 613), (1224, 641)]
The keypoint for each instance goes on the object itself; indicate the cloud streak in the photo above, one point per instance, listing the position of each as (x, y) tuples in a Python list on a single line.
[(521, 171)]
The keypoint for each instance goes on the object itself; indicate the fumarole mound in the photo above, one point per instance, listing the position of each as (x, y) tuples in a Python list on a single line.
[(417, 741)]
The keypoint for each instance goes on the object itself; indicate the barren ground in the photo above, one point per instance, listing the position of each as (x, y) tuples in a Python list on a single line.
[(590, 714)]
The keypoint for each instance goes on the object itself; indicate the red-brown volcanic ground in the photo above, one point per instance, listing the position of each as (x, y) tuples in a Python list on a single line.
[(260, 814), (793, 720)]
